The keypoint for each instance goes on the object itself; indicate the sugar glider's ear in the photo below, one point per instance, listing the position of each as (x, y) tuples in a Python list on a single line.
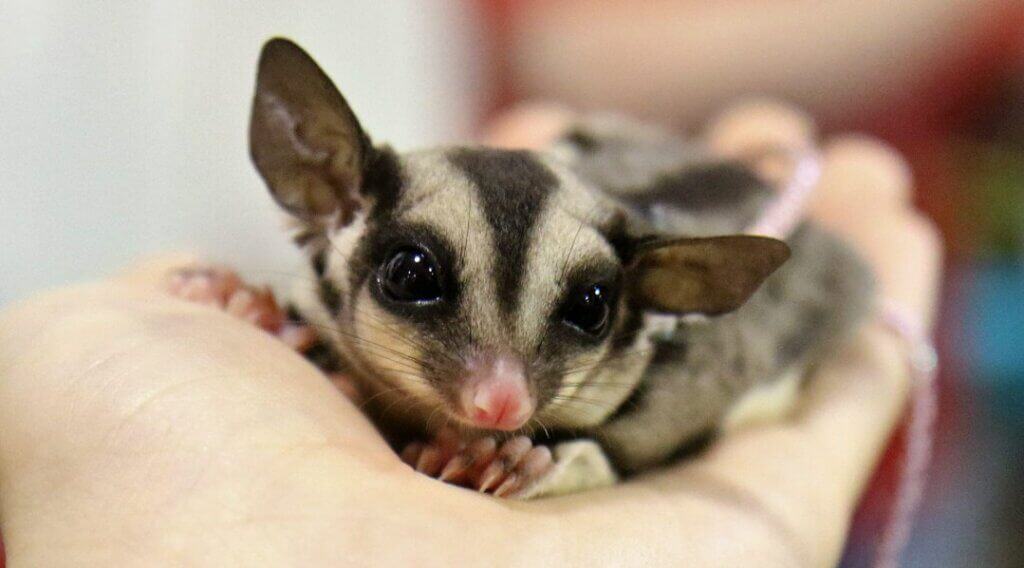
[(711, 276), (304, 139)]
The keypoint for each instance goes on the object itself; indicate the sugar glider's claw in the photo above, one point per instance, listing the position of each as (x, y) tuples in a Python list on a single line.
[(508, 486), (483, 464), (454, 469), (532, 468), (411, 453), (504, 463), (205, 285), (430, 461), (490, 476)]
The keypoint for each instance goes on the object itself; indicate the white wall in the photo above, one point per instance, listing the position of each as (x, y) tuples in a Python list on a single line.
[(122, 124)]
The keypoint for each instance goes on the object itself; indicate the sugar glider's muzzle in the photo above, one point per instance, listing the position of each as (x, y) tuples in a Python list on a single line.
[(494, 393)]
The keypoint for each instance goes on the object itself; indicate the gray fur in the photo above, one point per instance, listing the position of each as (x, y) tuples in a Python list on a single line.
[(698, 374), (516, 232), (511, 188), (706, 366)]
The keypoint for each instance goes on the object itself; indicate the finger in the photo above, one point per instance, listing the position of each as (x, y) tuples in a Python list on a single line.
[(852, 405), (861, 174), (148, 401), (906, 254), (759, 123), (864, 197), (240, 303), (809, 475)]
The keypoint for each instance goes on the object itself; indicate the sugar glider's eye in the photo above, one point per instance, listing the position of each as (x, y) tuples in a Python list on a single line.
[(411, 275), (588, 309)]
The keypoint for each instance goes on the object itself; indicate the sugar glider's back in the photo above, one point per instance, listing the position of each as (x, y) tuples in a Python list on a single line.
[(708, 374)]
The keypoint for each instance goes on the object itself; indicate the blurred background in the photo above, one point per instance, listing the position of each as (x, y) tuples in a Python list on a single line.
[(123, 133)]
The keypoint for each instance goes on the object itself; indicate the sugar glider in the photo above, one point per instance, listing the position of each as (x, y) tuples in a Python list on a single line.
[(598, 293)]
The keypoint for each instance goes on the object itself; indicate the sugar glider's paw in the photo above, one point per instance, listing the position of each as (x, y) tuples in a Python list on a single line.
[(223, 289), (507, 468), (204, 284)]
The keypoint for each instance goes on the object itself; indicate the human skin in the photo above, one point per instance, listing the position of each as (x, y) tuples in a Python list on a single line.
[(674, 61), (136, 428)]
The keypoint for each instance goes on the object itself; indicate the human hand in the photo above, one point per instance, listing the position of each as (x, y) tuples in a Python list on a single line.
[(863, 194), (136, 428)]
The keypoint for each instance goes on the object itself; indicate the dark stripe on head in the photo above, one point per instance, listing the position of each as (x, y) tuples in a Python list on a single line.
[(512, 186), (330, 296), (382, 180), (705, 187), (319, 262)]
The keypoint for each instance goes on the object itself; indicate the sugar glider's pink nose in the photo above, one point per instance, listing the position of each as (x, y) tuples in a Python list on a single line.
[(494, 394)]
